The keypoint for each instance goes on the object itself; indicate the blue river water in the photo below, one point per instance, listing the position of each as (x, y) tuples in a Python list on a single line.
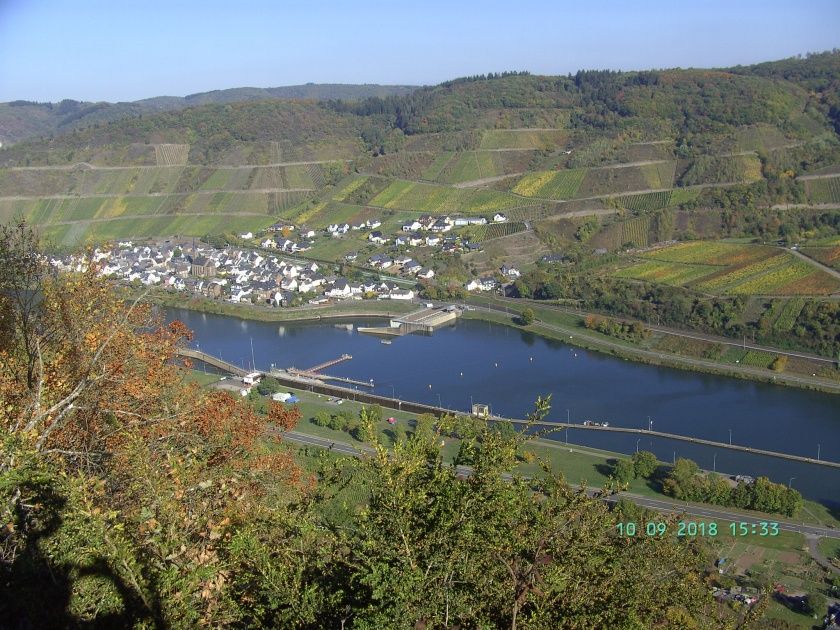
[(508, 369)]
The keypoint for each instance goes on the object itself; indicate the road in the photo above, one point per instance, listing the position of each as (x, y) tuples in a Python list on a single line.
[(658, 505), (815, 263), (156, 194)]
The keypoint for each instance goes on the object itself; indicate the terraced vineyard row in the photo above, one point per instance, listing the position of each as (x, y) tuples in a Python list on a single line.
[(496, 230), (826, 190), (171, 154), (523, 139), (431, 199), (120, 228), (648, 202), (829, 255), (734, 269), (787, 314), (551, 184)]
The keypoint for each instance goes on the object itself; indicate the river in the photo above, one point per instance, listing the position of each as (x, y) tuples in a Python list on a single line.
[(507, 369)]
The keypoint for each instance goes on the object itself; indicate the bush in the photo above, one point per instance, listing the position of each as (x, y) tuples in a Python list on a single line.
[(527, 317), (779, 364), (623, 471)]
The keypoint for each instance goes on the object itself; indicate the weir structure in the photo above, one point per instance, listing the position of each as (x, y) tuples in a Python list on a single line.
[(426, 320)]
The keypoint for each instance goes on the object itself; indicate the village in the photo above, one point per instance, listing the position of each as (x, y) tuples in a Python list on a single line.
[(255, 274)]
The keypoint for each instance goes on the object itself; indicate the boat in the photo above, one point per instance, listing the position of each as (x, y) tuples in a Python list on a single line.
[(387, 342)]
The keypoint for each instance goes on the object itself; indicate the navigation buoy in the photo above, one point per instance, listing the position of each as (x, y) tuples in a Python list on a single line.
[(430, 386), (532, 358), (462, 373), (497, 365)]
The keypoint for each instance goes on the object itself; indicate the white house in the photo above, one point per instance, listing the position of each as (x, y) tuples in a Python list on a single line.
[(426, 273), (510, 272), (341, 289), (411, 226), (401, 294), (432, 240), (247, 235), (377, 237), (499, 218)]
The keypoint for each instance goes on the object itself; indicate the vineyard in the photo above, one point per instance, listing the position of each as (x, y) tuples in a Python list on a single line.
[(551, 184), (713, 253), (646, 202), (660, 174), (733, 269), (674, 274), (826, 255), (634, 232), (783, 315), (433, 171), (432, 199), (523, 138), (171, 154), (353, 185), (825, 190), (483, 233)]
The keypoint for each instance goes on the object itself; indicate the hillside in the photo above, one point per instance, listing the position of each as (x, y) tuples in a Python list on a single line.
[(592, 161), (21, 120)]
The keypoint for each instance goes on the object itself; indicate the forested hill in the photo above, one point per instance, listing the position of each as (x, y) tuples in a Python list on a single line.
[(616, 146), (20, 120)]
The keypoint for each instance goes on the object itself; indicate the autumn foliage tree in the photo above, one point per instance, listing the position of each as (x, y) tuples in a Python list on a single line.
[(115, 473)]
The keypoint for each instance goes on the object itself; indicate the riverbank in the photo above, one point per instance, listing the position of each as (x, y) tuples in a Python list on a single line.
[(549, 324), (569, 328)]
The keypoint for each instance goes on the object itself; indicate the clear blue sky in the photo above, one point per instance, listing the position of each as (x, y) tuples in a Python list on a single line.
[(129, 49)]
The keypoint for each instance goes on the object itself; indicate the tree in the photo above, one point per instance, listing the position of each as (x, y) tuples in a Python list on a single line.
[(269, 385), (431, 550), (623, 471), (815, 603), (527, 317), (644, 464), (120, 482), (779, 364)]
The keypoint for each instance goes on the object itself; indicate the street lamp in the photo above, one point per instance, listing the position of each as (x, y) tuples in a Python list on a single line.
[(789, 481), (714, 462), (818, 452), (440, 404), (650, 424), (637, 445), (393, 395), (730, 437)]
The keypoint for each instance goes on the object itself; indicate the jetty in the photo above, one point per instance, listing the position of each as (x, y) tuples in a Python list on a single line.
[(314, 372)]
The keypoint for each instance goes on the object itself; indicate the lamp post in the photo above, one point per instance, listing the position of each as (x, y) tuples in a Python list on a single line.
[(440, 404), (818, 452), (714, 462), (730, 437), (637, 445), (789, 481), (650, 424)]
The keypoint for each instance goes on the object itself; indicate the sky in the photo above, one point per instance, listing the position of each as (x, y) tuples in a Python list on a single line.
[(120, 50)]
